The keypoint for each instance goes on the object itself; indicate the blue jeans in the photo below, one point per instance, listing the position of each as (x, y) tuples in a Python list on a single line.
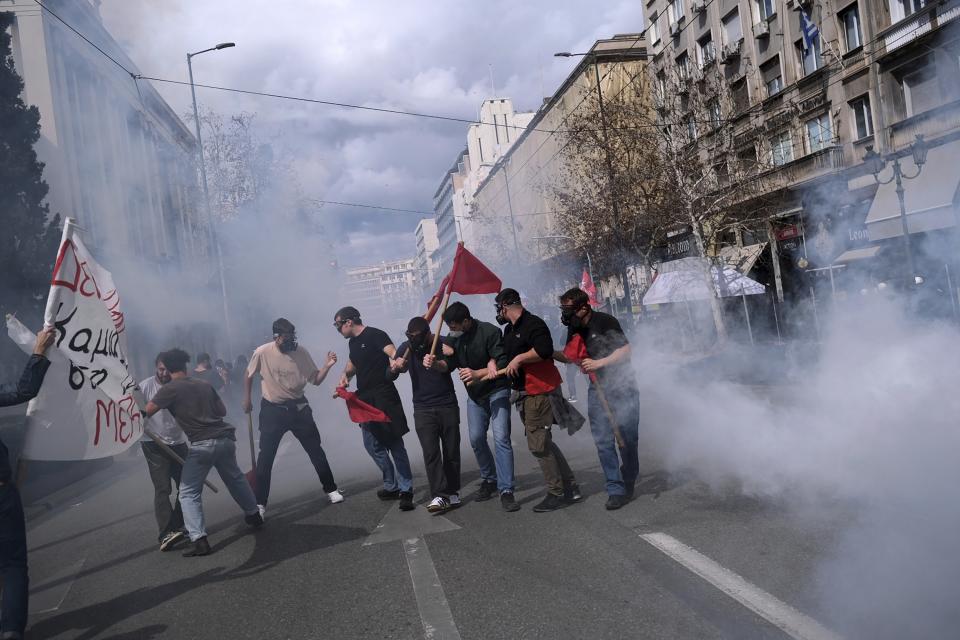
[(222, 454), (13, 561), (625, 406), (394, 478), (494, 410)]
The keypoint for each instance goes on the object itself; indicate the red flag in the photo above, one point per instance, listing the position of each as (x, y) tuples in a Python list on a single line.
[(359, 410), (437, 299), (469, 275), (586, 283), (576, 351)]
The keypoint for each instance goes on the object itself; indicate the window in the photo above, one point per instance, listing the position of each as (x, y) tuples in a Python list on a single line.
[(809, 56), (819, 133), (654, 29), (706, 53), (765, 9), (661, 86), (732, 29), (683, 66), (781, 148), (714, 108), (772, 76), (741, 96), (900, 9), (691, 128), (675, 10), (862, 118), (921, 89), (850, 19)]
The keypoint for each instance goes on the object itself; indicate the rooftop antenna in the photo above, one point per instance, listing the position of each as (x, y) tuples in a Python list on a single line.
[(493, 89)]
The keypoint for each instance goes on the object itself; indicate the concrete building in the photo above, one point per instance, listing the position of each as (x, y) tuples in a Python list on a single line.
[(389, 290), (497, 130), (427, 264)]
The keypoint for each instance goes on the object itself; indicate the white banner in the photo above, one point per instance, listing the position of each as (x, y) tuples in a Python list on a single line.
[(65, 423)]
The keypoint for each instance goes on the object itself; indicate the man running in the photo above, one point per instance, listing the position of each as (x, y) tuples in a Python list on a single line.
[(609, 358), (371, 351), (528, 344), (164, 470), (285, 368), (436, 413), (199, 412), (478, 353)]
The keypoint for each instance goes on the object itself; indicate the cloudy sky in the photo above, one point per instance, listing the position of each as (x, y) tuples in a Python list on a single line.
[(417, 55)]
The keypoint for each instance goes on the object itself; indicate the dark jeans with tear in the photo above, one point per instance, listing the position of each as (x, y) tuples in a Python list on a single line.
[(165, 475), (13, 561)]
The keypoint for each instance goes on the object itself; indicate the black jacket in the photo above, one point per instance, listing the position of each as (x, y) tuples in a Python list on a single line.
[(25, 390)]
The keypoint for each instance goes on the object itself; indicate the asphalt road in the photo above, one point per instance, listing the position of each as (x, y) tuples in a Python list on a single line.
[(678, 562)]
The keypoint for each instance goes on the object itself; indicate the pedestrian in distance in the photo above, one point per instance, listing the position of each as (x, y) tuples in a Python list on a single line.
[(200, 413), (285, 369), (478, 354), (13, 530), (371, 353), (436, 413), (205, 371), (164, 471)]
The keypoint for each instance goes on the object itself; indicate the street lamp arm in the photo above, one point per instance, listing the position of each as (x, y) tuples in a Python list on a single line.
[(892, 177), (903, 173)]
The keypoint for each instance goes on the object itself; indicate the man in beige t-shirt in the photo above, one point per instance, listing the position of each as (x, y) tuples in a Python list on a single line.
[(285, 368)]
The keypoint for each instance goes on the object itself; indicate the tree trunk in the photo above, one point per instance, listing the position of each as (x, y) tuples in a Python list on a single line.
[(718, 320)]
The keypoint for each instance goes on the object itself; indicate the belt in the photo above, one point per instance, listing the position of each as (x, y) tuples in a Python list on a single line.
[(297, 404)]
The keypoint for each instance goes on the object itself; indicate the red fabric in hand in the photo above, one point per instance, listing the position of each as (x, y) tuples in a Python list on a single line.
[(359, 410), (576, 352)]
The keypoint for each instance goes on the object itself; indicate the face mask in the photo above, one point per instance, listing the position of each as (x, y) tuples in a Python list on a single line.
[(501, 319), (418, 341), (289, 345), (454, 334), (568, 316)]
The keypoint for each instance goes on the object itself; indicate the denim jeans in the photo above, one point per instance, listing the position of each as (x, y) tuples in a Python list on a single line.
[(165, 474), (222, 454), (625, 406), (394, 478), (494, 410), (13, 561)]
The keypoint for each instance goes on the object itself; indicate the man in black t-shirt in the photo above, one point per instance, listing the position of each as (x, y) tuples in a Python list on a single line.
[(609, 359), (436, 413), (371, 352)]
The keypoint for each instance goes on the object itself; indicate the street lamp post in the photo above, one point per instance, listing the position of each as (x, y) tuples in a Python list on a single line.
[(877, 163), (214, 241), (614, 204)]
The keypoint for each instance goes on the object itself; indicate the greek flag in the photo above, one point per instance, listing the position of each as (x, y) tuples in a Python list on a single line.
[(809, 30)]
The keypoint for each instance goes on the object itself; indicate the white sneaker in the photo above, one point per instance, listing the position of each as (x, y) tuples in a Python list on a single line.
[(438, 504), (335, 496), (263, 511)]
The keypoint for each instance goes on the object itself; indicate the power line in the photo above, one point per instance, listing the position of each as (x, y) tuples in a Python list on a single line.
[(85, 38)]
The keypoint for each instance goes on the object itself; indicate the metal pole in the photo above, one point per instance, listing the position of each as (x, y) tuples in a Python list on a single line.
[(513, 222), (214, 240), (746, 312), (903, 223), (614, 206)]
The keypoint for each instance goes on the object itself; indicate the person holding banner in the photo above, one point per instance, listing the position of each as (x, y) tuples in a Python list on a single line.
[(199, 412), (285, 368), (371, 354), (13, 532), (164, 470), (613, 392)]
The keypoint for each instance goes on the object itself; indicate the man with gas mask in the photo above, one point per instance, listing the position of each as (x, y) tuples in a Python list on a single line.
[(534, 378), (436, 413), (478, 354), (608, 353), (285, 368)]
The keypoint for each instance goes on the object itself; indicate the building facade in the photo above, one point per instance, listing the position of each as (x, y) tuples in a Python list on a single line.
[(427, 265), (387, 291)]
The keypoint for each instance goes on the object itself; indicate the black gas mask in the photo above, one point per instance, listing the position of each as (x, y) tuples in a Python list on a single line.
[(501, 319), (417, 340), (288, 343), (569, 317)]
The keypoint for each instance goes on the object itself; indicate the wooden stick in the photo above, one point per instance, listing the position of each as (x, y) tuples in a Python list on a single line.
[(253, 452), (606, 409), (173, 454), (436, 334)]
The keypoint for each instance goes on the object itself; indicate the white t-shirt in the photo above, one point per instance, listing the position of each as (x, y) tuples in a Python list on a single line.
[(163, 423)]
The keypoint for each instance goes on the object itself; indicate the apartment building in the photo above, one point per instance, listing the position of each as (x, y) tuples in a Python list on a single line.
[(426, 264), (389, 290)]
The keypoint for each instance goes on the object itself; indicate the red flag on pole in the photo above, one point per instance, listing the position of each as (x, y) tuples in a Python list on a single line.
[(470, 276), (586, 283), (576, 351), (434, 305), (359, 410)]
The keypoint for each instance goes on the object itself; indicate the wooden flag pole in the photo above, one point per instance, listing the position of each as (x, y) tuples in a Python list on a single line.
[(606, 409), (436, 334), (173, 454), (253, 452)]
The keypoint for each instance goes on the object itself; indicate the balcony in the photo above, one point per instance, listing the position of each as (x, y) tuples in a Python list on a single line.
[(805, 169), (931, 17), (931, 124)]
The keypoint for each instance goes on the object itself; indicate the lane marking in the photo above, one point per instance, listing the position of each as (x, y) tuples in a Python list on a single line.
[(780, 614), (435, 613)]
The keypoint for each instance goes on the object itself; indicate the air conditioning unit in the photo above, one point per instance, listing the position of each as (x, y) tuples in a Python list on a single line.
[(730, 52), (674, 29), (698, 6), (761, 29)]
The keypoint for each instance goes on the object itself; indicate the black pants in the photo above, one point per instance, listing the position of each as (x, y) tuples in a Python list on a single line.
[(276, 420), (13, 561), (165, 474), (438, 429)]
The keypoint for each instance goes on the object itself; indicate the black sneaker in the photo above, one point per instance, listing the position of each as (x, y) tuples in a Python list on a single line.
[(508, 503), (255, 520), (630, 490), (383, 494), (615, 502), (200, 548), (550, 503), (406, 501), (486, 491), (572, 495)]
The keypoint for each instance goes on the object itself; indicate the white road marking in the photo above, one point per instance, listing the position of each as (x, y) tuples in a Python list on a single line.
[(782, 615), (435, 613)]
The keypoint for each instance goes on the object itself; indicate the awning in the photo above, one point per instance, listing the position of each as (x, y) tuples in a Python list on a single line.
[(682, 281), (742, 258), (853, 255), (930, 200)]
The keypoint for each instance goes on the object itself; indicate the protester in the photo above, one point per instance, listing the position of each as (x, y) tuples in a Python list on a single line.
[(205, 371), (285, 368), (478, 353), (436, 413), (609, 358), (164, 470), (199, 412), (13, 531), (535, 378), (371, 353)]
